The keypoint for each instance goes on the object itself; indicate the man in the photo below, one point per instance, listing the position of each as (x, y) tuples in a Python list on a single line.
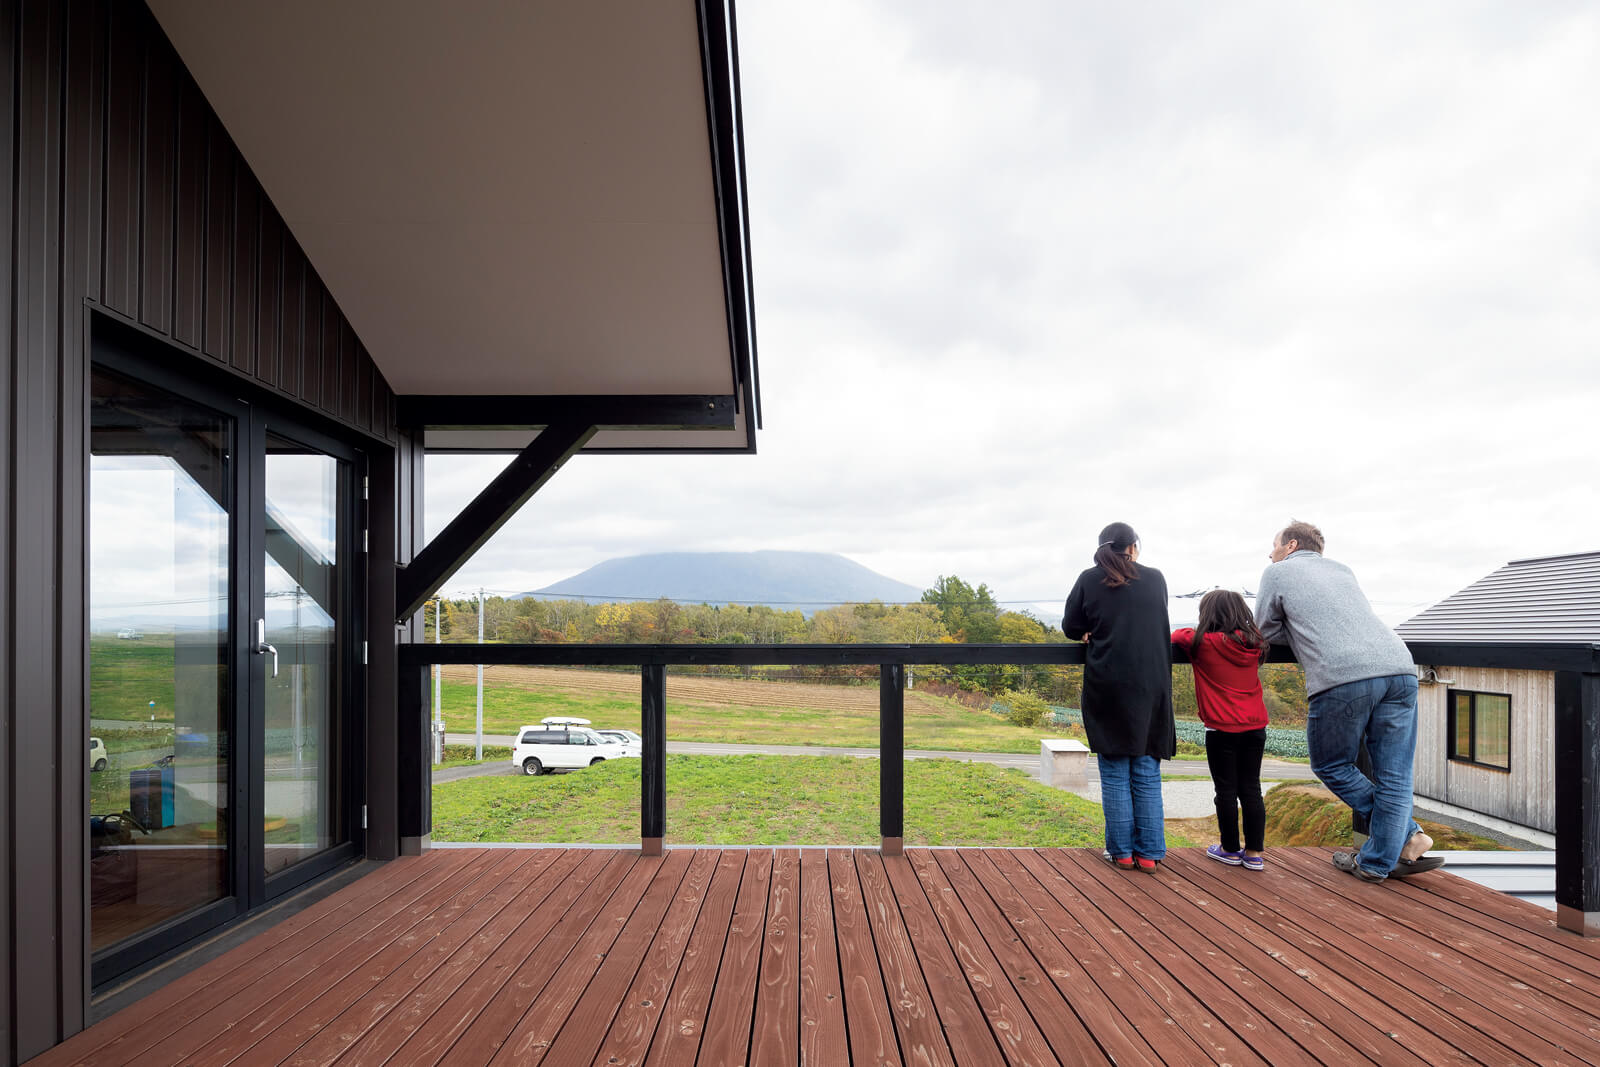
[(1363, 686)]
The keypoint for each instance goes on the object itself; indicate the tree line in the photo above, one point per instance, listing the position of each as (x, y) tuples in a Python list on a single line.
[(951, 611)]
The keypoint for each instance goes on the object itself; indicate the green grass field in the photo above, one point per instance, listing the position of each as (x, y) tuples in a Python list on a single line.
[(125, 676), (769, 800), (931, 722)]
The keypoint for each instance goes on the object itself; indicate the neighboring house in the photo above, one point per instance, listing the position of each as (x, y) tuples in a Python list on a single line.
[(261, 256), (1486, 734)]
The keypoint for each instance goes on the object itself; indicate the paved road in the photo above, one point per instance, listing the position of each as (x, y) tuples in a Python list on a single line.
[(1270, 768)]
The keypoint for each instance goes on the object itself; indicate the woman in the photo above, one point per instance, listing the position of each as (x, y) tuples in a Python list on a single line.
[(1119, 608)]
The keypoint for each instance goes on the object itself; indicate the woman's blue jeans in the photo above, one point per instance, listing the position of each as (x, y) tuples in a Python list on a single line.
[(1130, 793), (1383, 712)]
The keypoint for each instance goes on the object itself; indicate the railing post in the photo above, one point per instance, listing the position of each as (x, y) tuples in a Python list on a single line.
[(653, 769), (1577, 745), (892, 757), (414, 763)]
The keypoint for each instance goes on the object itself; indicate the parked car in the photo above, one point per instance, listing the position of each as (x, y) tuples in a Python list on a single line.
[(97, 754), (540, 749), (631, 742)]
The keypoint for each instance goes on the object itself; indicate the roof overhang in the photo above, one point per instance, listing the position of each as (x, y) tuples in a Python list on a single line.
[(534, 205)]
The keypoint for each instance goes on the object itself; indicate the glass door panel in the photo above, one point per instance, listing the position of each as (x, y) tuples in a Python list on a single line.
[(161, 502), (302, 618)]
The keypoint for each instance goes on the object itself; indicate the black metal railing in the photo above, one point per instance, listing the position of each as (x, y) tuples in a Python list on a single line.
[(1577, 723)]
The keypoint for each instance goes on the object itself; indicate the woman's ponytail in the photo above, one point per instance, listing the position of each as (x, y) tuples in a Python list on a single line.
[(1112, 554)]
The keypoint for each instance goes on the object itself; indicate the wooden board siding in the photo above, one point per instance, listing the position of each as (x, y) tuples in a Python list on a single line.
[(1524, 795), (125, 199), (957, 956)]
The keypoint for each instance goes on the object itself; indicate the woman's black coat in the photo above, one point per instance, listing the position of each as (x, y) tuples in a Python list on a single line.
[(1127, 675)]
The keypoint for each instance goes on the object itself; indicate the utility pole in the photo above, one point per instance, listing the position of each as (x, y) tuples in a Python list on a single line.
[(438, 680), (480, 676)]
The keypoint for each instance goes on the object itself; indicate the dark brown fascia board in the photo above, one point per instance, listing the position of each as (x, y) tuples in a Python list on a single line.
[(719, 57), (1512, 656), (488, 412)]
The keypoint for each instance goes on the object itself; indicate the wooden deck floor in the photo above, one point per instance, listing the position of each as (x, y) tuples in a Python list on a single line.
[(840, 956)]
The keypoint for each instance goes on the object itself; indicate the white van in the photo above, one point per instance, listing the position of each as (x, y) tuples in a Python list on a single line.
[(540, 749)]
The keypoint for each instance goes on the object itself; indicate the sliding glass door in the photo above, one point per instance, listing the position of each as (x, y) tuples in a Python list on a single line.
[(307, 491), (222, 658)]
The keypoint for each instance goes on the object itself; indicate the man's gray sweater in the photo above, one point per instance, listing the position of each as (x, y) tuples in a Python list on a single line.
[(1316, 604)]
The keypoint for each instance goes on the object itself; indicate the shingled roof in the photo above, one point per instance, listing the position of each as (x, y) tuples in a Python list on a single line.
[(1554, 599)]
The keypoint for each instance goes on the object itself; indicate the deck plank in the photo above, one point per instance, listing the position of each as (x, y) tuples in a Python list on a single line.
[(683, 1020), (1077, 993), (217, 1006), (981, 1024), (628, 1038), (726, 1041), (775, 1032), (490, 1002), (1393, 922), (870, 1022), (1274, 978), (844, 956), (190, 996), (1130, 1007), (1240, 1001), (582, 949), (964, 1026), (569, 1027), (1409, 961), (408, 994), (1323, 956), (270, 1038), (822, 1021), (1530, 924)]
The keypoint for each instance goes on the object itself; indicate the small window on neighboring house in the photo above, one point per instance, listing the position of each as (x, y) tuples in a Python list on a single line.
[(1480, 728)]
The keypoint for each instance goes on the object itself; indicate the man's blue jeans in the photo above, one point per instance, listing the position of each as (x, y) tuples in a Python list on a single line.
[(1130, 793), (1383, 711)]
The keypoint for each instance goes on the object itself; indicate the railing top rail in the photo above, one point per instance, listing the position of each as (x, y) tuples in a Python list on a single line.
[(418, 654), (1519, 656)]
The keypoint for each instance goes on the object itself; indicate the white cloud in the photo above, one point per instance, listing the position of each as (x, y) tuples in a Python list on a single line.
[(1026, 269)]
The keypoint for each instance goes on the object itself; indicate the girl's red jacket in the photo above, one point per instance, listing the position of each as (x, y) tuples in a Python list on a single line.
[(1227, 681)]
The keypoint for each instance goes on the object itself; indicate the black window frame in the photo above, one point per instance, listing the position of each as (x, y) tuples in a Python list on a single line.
[(1451, 715)]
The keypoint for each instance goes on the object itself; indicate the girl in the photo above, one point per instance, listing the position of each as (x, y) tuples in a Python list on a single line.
[(1226, 651), (1120, 608)]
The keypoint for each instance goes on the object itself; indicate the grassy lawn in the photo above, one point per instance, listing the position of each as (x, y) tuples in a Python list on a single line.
[(770, 800), (126, 675)]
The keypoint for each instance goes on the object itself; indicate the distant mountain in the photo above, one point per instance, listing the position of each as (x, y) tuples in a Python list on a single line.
[(787, 580)]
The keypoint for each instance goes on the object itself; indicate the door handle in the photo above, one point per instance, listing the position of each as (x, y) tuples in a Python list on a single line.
[(262, 648)]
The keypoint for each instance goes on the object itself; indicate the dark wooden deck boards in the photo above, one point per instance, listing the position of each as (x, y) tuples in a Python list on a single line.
[(820, 957)]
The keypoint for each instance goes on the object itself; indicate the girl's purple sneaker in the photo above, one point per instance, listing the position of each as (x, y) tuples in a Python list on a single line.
[(1254, 863), (1222, 855)]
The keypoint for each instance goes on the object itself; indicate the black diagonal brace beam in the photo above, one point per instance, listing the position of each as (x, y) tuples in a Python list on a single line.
[(492, 509)]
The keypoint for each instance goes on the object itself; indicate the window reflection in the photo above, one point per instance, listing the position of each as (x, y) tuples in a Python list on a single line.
[(159, 507)]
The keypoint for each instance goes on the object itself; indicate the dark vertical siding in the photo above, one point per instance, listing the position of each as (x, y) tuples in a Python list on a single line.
[(292, 354), (269, 304), (246, 267), (34, 608), (218, 299), (189, 264), (8, 52), (123, 195), (159, 128), (124, 99)]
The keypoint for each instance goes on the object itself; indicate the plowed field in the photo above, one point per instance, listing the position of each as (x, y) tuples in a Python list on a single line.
[(705, 692)]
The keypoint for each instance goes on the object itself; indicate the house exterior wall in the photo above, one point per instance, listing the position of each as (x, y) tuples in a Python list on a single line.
[(126, 200), (1525, 794)]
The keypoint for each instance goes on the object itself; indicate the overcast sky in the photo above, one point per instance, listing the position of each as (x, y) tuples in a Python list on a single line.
[(1024, 269)]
